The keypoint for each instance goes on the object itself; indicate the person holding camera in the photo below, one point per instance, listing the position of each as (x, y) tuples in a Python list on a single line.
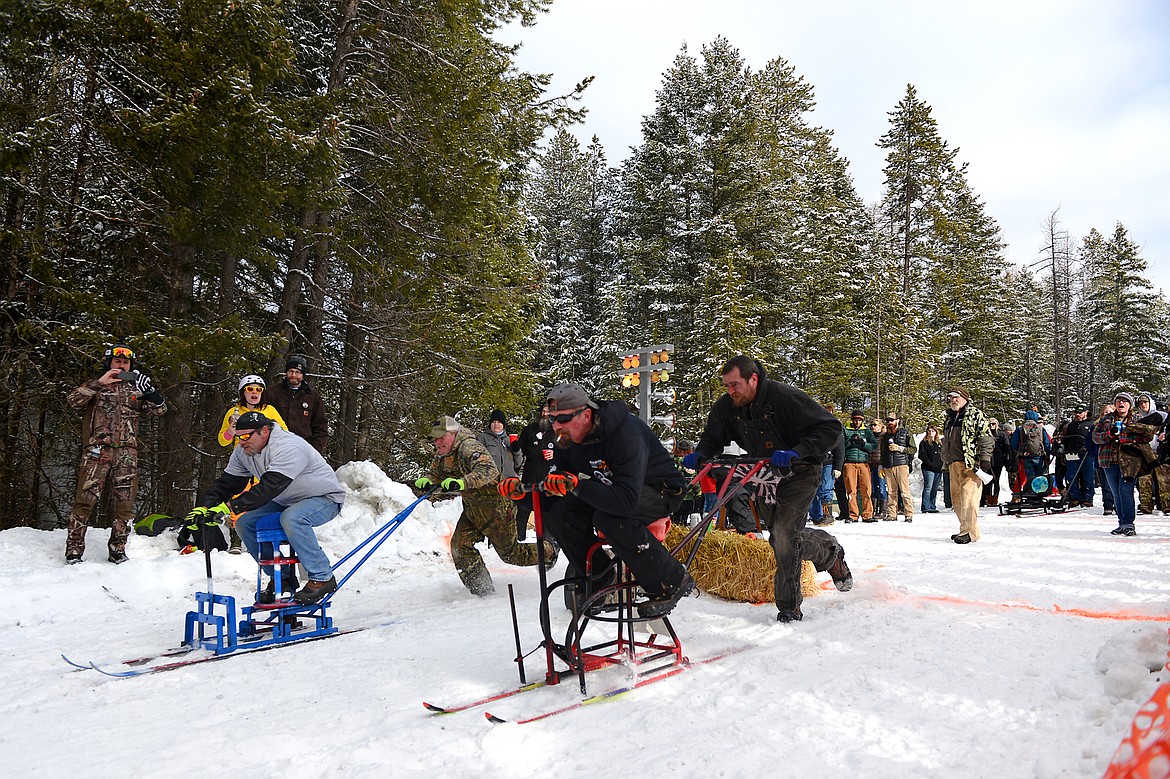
[(112, 404)]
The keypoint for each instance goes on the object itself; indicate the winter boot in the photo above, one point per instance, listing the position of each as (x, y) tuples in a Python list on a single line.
[(237, 545)]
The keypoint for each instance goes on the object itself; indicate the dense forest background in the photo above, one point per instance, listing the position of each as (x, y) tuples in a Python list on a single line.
[(377, 186)]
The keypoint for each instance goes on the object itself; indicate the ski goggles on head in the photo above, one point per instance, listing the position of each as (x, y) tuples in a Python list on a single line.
[(567, 417), (122, 351)]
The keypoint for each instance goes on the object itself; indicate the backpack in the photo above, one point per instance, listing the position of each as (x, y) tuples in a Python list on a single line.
[(1032, 439)]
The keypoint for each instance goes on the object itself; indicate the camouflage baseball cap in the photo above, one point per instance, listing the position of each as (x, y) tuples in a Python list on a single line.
[(444, 425)]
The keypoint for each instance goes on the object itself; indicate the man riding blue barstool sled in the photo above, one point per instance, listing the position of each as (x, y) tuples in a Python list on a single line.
[(295, 491)]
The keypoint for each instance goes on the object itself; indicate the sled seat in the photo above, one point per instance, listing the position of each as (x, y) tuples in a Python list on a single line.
[(273, 542), (658, 528)]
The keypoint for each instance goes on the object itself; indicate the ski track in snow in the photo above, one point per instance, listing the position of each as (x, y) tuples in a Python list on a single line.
[(1023, 655)]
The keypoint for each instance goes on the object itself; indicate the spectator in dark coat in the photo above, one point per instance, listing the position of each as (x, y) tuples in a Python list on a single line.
[(299, 405), (930, 453)]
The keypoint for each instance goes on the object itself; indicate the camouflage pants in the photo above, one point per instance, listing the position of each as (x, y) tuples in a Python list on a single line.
[(493, 518), (1154, 490), (120, 467)]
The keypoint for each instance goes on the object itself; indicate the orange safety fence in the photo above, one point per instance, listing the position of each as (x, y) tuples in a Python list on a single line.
[(1145, 752)]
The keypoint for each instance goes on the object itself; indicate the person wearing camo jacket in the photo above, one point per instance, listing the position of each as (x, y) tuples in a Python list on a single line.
[(463, 465), (112, 404)]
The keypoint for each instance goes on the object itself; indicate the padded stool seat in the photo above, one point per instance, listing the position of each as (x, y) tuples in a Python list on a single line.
[(271, 538)]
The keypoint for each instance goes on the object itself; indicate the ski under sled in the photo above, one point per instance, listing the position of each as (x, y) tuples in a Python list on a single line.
[(648, 647), (216, 626)]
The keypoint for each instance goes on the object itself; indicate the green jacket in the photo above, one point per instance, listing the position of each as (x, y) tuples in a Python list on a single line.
[(857, 449)]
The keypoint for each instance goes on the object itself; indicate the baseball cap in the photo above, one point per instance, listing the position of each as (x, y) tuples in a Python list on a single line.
[(568, 396), (444, 425)]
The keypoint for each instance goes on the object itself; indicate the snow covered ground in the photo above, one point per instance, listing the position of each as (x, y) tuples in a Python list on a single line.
[(1024, 655)]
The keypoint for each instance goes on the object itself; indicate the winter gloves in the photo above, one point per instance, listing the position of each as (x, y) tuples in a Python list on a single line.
[(783, 458), (560, 484), (511, 488)]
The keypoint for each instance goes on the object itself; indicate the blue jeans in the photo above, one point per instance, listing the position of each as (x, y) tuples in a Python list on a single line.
[(298, 521), (931, 481), (824, 493), (1033, 467), (1082, 487), (1122, 490), (879, 484)]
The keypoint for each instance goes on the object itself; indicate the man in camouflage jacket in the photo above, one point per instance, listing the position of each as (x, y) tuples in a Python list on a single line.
[(109, 436), (463, 464), (967, 444)]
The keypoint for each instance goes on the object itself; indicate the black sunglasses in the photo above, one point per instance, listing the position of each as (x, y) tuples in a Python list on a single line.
[(567, 417)]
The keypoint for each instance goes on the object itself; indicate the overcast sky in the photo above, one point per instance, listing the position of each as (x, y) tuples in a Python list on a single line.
[(1056, 104)]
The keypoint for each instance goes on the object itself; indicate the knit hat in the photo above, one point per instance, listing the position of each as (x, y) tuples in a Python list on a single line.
[(568, 396), (118, 350), (444, 425), (498, 416), (1032, 415), (296, 361), (960, 392), (857, 414), (1124, 396)]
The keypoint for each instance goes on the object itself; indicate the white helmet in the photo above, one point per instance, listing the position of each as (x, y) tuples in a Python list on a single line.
[(252, 378)]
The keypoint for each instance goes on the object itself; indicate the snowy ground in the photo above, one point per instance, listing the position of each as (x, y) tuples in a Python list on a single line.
[(1024, 655)]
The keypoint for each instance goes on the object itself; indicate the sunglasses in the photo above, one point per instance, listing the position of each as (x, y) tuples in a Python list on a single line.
[(122, 351), (565, 418), (891, 419), (253, 388), (246, 436)]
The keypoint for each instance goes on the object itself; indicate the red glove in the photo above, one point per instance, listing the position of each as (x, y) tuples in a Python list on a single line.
[(560, 484), (511, 488)]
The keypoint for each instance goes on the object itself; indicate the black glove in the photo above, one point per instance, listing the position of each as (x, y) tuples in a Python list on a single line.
[(985, 466), (856, 440)]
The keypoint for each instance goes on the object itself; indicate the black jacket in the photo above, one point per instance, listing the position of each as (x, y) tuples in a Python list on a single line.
[(619, 459), (780, 417), (902, 438), (534, 441), (931, 455)]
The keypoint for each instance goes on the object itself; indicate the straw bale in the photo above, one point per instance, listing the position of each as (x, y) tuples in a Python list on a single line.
[(737, 567)]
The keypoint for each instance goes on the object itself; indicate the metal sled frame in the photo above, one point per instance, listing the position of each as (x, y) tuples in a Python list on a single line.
[(214, 625), (644, 655)]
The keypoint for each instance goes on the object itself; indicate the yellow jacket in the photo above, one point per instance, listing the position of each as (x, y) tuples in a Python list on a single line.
[(225, 439)]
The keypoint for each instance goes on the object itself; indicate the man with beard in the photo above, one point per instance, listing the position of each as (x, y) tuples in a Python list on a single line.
[(784, 424)]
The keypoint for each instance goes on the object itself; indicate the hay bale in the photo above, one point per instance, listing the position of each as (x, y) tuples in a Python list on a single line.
[(737, 567)]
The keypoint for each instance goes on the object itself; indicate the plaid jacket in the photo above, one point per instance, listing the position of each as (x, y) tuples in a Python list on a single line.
[(1110, 442)]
